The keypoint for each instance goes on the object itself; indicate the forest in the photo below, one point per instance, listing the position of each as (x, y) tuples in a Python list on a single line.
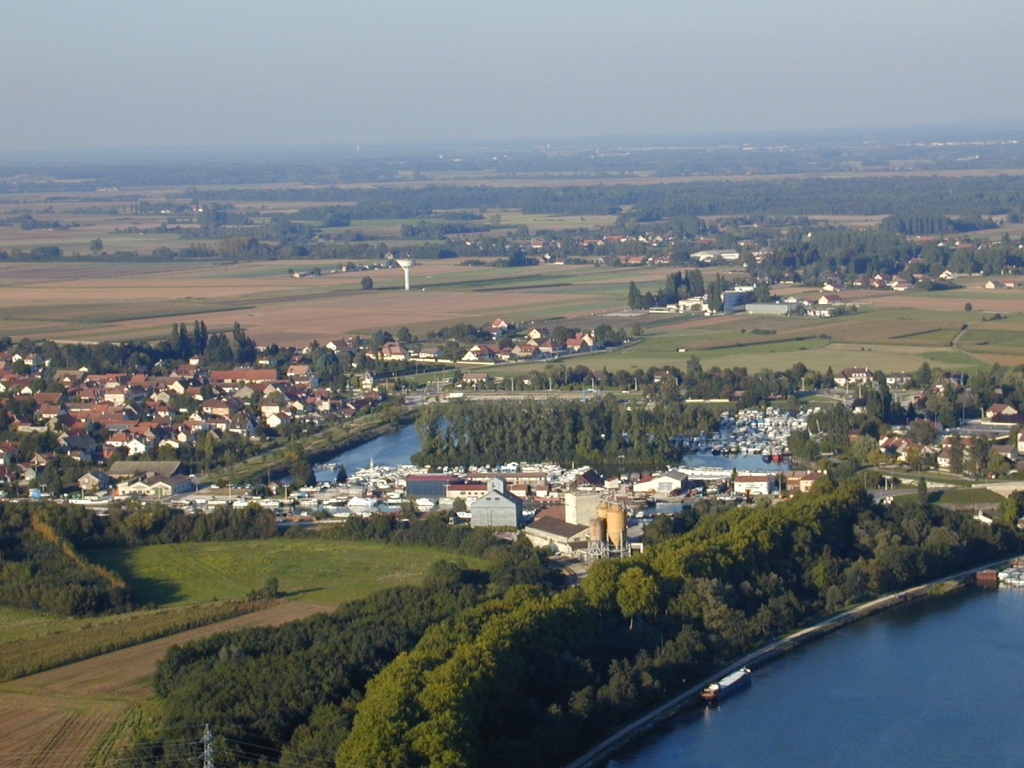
[(462, 672), (40, 569), (941, 196), (601, 432)]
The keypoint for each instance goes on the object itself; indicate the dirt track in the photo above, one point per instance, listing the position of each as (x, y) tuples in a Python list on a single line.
[(54, 718)]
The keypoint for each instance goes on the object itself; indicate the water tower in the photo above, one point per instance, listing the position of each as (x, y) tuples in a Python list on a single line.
[(406, 265)]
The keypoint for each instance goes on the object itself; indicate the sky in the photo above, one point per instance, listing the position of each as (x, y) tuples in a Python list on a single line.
[(90, 74)]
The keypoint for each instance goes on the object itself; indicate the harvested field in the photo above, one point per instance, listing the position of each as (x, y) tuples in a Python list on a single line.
[(95, 302), (54, 719)]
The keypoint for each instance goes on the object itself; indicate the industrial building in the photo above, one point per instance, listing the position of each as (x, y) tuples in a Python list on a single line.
[(497, 508), (428, 486), (762, 308), (735, 301)]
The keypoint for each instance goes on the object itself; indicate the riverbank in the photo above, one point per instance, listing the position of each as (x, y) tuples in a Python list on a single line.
[(767, 653)]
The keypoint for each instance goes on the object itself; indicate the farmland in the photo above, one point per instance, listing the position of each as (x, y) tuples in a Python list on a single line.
[(61, 716), (891, 331), (32, 641), (56, 718)]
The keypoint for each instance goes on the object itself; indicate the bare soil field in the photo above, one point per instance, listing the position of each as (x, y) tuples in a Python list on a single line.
[(54, 718), (95, 302)]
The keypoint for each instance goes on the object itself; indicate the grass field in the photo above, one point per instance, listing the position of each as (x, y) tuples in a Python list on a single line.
[(314, 570)]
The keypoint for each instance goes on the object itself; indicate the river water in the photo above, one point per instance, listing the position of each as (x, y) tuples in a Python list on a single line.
[(931, 684)]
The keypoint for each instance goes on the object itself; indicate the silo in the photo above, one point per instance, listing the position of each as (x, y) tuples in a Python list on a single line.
[(597, 530), (615, 516)]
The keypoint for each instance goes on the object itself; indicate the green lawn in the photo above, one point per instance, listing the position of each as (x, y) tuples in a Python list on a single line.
[(314, 570), (969, 496)]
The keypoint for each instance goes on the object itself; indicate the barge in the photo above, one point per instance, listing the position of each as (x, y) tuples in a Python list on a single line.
[(728, 686)]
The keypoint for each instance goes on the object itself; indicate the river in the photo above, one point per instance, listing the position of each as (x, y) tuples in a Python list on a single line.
[(929, 684)]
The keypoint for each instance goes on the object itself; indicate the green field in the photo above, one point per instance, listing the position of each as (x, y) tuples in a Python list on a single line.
[(318, 571)]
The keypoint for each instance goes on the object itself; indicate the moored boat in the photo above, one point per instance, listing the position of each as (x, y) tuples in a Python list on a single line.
[(730, 684)]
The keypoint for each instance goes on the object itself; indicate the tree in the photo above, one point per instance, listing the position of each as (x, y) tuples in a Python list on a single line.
[(762, 293), (366, 283), (956, 454), (96, 245), (635, 300), (968, 307), (637, 593), (922, 490)]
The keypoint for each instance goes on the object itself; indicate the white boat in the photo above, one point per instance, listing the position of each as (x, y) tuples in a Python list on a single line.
[(425, 505), (361, 502)]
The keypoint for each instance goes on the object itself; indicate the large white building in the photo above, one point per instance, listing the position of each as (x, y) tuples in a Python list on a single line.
[(759, 484)]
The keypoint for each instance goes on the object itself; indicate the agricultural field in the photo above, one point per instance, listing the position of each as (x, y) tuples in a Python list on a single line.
[(74, 714), (317, 571), (96, 302), (33, 641), (57, 718)]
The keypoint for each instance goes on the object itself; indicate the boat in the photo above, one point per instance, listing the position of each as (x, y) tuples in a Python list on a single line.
[(729, 685), (360, 502), (425, 505)]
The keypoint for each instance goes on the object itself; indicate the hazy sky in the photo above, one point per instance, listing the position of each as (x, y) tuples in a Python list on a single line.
[(130, 73)]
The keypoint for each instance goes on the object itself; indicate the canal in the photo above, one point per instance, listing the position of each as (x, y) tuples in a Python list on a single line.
[(390, 450), (928, 684)]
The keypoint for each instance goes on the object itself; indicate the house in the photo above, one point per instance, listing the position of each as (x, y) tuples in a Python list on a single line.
[(760, 484), (393, 351), (1000, 411), (497, 507), (802, 481), (498, 327), (899, 380), (236, 377), (849, 376), (994, 285), (481, 353), (475, 377), (97, 480), (831, 299)]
